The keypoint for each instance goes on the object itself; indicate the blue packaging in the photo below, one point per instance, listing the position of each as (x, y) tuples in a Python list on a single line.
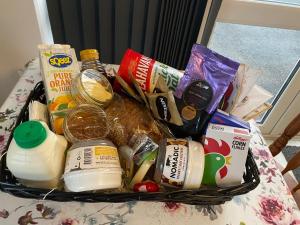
[(223, 118)]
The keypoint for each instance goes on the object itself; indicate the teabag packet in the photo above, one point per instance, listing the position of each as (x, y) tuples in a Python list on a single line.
[(161, 86), (127, 89), (138, 89), (163, 107), (200, 90)]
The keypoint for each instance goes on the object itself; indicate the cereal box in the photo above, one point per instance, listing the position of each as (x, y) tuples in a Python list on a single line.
[(226, 150), (58, 67)]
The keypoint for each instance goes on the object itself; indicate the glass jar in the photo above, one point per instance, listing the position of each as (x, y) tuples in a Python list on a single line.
[(91, 87), (180, 164), (85, 122)]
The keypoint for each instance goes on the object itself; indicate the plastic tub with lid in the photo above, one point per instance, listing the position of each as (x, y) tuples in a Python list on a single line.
[(92, 165), (180, 164)]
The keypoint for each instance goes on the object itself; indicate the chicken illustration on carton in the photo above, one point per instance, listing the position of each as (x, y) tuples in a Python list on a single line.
[(226, 150)]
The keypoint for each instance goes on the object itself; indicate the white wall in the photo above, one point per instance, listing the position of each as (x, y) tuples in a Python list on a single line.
[(19, 37)]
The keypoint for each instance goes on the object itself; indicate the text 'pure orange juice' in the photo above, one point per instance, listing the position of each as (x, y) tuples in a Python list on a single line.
[(58, 67)]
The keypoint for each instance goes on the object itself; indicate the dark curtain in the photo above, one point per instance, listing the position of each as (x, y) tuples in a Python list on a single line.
[(161, 29)]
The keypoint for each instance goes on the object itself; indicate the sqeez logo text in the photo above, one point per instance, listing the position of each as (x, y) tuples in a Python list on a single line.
[(60, 60)]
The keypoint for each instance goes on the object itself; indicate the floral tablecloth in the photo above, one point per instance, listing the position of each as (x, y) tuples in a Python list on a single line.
[(270, 203)]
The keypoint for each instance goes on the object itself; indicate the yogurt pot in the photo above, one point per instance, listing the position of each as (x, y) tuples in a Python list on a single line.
[(36, 155), (92, 165), (180, 164)]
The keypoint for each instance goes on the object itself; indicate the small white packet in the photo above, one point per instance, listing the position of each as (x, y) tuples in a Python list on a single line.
[(256, 97), (248, 81), (38, 111), (258, 111), (238, 89)]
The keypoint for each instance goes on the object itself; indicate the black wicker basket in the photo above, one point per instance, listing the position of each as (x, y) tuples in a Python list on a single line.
[(203, 196)]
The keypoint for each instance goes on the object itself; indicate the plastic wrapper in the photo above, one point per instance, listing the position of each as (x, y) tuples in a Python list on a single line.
[(126, 116), (142, 146), (146, 186), (256, 97), (233, 91), (126, 159), (143, 169), (38, 111), (239, 88), (248, 82)]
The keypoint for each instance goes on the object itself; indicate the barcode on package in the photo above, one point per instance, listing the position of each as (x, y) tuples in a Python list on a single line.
[(87, 155)]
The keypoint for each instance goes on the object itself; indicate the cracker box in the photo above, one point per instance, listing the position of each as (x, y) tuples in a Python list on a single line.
[(58, 67), (226, 150)]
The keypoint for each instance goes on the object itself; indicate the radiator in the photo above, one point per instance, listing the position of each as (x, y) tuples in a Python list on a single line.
[(161, 29)]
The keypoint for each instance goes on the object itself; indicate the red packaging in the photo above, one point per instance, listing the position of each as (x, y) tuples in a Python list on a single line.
[(147, 186), (146, 71)]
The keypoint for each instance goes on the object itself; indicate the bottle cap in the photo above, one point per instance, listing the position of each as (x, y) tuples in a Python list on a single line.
[(89, 54), (30, 134)]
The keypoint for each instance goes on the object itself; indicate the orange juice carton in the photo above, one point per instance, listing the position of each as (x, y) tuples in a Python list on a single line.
[(226, 150), (58, 67)]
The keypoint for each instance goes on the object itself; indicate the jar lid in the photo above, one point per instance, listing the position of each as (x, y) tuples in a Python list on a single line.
[(85, 122), (89, 54), (30, 134)]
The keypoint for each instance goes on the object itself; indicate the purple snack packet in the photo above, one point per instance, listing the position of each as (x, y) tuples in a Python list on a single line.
[(217, 70)]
